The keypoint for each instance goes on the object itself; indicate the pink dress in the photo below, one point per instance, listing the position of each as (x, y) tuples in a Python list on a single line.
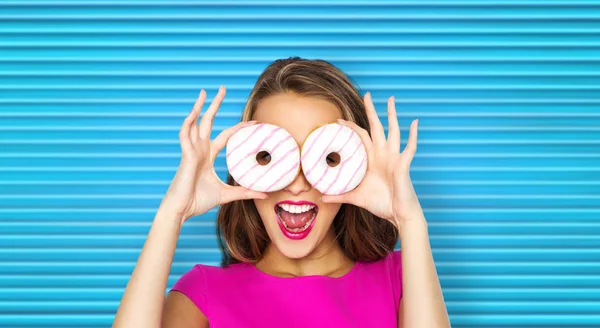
[(243, 296)]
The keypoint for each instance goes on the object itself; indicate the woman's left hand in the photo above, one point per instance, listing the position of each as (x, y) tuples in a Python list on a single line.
[(386, 189)]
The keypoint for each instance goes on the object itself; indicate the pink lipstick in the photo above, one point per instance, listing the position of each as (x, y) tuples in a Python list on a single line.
[(296, 218)]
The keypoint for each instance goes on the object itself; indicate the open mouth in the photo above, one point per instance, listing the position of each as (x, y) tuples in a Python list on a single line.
[(296, 219)]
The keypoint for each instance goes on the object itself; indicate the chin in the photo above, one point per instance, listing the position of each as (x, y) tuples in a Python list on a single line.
[(294, 251), (297, 227)]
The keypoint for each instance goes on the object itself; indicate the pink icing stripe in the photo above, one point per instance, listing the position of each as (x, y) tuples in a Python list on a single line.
[(260, 126), (272, 166), (256, 164), (315, 141), (341, 168), (345, 143), (322, 176), (280, 142), (247, 171), (257, 148), (337, 151), (324, 150), (353, 175), (295, 166)]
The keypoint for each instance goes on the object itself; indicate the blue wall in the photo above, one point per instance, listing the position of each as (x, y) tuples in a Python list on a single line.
[(92, 95)]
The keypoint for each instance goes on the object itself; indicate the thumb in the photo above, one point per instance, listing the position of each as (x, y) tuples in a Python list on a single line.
[(347, 198), (233, 193)]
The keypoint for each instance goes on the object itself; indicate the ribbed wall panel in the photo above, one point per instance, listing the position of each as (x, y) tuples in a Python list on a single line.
[(92, 94)]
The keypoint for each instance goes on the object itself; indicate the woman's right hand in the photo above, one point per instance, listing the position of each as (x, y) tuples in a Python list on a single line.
[(196, 188)]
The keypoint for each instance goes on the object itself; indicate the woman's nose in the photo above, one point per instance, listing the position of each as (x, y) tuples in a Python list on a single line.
[(299, 185)]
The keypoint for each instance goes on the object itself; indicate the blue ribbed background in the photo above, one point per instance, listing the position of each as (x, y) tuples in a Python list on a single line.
[(92, 94)]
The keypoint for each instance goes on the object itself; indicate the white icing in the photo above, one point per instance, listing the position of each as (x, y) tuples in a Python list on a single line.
[(353, 159), (241, 157)]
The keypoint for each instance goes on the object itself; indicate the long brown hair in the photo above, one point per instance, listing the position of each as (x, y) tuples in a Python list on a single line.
[(364, 237)]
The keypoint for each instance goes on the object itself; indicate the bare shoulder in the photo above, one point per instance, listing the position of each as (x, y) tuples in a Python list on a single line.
[(181, 312)]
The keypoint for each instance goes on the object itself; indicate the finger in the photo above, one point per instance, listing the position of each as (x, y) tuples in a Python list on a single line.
[(184, 132), (233, 193), (208, 117), (221, 140), (197, 108), (362, 133), (411, 145), (377, 133), (393, 128)]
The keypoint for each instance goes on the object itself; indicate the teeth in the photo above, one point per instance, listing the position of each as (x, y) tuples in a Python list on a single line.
[(296, 208)]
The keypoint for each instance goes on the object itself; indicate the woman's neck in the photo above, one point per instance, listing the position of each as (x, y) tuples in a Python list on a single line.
[(327, 259)]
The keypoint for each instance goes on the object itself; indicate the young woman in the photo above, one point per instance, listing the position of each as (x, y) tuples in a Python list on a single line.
[(343, 273)]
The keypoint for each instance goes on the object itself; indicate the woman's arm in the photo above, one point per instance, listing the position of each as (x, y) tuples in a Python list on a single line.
[(143, 301), (422, 303)]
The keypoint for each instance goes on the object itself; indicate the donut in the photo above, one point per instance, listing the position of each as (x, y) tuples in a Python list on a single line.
[(334, 159), (263, 157)]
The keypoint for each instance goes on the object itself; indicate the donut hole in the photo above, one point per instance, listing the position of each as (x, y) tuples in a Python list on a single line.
[(263, 158), (333, 159)]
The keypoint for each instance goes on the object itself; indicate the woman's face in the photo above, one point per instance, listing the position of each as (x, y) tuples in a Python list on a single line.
[(293, 233)]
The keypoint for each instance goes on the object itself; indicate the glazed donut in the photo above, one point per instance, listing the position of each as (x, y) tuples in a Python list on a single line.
[(334, 159), (263, 157)]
